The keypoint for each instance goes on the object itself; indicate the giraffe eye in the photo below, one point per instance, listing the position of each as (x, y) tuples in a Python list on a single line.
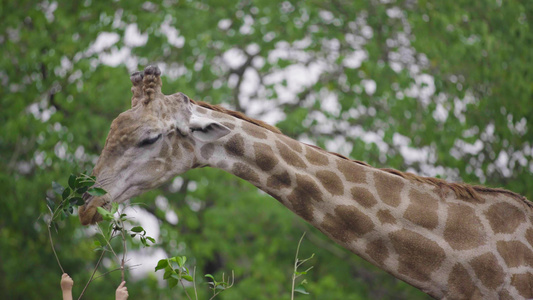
[(149, 141)]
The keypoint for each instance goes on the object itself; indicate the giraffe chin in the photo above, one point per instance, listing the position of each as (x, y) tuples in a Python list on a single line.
[(88, 213)]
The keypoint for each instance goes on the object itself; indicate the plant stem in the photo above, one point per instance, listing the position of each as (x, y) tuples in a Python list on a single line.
[(181, 281), (295, 266), (94, 271), (53, 248)]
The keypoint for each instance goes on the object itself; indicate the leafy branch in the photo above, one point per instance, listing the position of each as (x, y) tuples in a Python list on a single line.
[(295, 275)]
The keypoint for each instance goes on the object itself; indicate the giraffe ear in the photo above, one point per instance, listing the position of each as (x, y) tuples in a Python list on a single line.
[(206, 130)]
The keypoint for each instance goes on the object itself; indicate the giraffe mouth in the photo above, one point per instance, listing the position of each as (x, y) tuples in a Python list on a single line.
[(88, 213)]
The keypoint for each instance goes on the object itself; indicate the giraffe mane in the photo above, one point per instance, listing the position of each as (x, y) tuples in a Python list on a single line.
[(461, 190), (238, 115)]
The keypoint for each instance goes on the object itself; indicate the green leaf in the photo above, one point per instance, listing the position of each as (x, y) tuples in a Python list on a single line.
[(151, 239), (114, 207), (51, 205), (96, 192), (105, 214), (210, 276), (188, 278), (161, 264), (301, 289), (58, 188), (82, 190), (72, 181), (137, 229), (66, 193), (77, 201), (172, 282)]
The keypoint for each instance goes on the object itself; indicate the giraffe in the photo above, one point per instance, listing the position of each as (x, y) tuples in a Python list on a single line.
[(450, 240)]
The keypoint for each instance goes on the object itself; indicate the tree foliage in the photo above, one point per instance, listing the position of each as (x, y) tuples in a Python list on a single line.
[(440, 88)]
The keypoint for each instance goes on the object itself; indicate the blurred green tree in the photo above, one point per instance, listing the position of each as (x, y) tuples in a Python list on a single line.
[(438, 88)]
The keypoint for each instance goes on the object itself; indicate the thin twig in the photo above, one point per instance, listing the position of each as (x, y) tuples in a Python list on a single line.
[(295, 266), (194, 282), (94, 271), (124, 249), (117, 269), (181, 281), (53, 248)]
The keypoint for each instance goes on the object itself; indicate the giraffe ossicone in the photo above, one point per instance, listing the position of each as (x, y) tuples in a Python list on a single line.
[(450, 240)]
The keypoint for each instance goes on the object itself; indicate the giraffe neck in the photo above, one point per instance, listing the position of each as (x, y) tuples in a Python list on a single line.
[(419, 233)]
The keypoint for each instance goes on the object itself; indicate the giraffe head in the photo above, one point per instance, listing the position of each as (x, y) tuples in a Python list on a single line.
[(148, 144)]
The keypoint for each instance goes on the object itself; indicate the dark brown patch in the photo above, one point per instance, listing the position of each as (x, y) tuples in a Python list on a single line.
[(418, 255), (290, 156), (352, 171), (363, 197), (164, 150), (220, 115), (245, 172), (207, 151), (315, 157), (235, 145), (348, 223), (304, 193), (385, 216), (460, 285), (515, 253), (277, 181), (228, 124), (176, 151), (254, 130), (523, 284), (389, 188), (378, 251), (488, 270), (295, 145), (504, 217), (504, 295), (463, 228), (331, 182), (265, 157), (422, 210), (188, 146), (222, 165), (201, 110)]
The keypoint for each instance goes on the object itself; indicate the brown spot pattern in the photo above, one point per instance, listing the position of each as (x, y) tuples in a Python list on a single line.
[(331, 182), (378, 251), (228, 124), (515, 253), (254, 130), (389, 188), (348, 223), (385, 216), (164, 150), (524, 284), (306, 190), (422, 210), (488, 270), (463, 228), (290, 156), (418, 255), (235, 145), (504, 217), (207, 151), (277, 181), (265, 157), (351, 171), (295, 145), (220, 115), (460, 285), (245, 172), (176, 152), (315, 157), (363, 197)]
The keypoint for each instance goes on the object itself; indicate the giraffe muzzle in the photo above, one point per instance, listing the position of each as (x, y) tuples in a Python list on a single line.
[(88, 213)]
